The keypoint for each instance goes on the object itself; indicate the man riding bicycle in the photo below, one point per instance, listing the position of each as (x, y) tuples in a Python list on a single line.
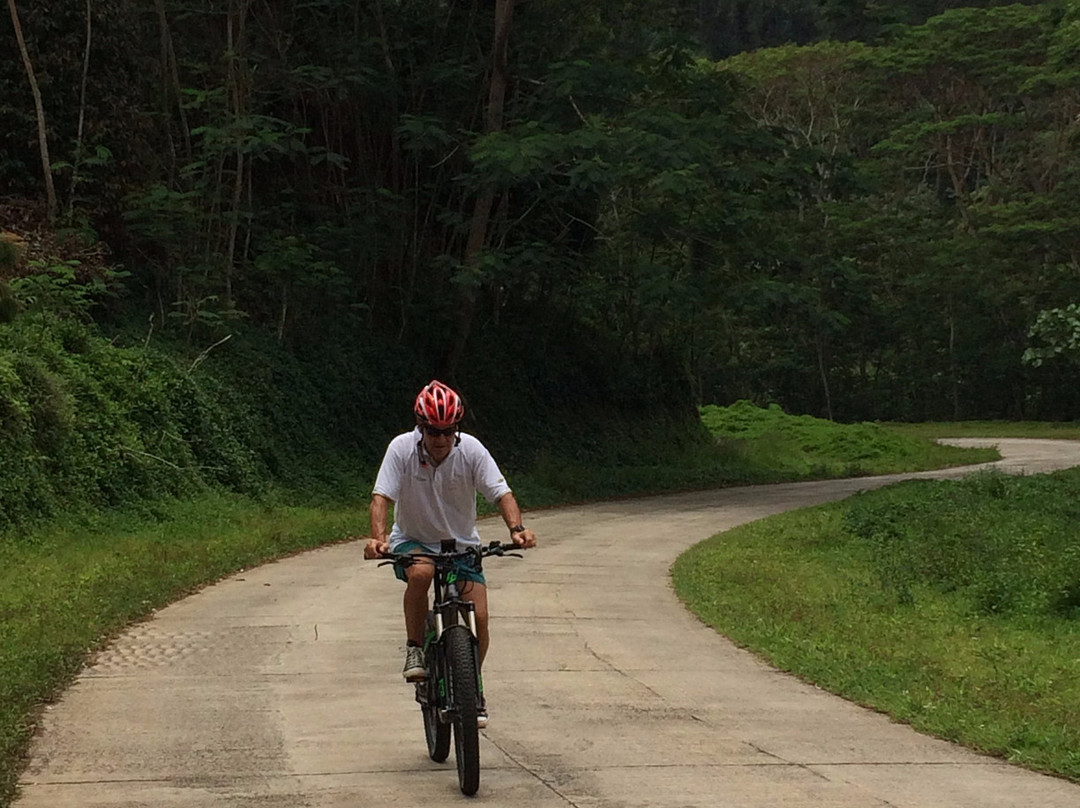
[(432, 475)]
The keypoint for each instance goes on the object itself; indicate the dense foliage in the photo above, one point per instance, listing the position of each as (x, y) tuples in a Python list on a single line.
[(570, 198), (920, 286), (734, 26), (87, 422)]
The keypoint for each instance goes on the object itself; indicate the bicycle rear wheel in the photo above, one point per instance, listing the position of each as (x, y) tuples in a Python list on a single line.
[(435, 731), (463, 687)]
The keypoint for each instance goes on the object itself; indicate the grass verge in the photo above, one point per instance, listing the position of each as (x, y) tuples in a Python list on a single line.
[(954, 607)]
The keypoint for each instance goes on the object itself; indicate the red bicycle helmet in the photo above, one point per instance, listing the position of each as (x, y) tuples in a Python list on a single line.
[(439, 406)]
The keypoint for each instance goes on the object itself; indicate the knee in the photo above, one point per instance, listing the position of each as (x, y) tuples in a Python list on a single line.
[(420, 575)]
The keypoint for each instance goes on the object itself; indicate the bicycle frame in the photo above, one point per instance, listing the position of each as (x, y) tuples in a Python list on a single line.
[(448, 609), (452, 692), (448, 604)]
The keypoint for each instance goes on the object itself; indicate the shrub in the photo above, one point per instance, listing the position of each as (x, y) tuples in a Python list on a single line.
[(772, 440)]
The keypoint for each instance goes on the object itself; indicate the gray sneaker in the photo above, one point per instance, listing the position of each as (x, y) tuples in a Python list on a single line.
[(414, 670), (481, 718)]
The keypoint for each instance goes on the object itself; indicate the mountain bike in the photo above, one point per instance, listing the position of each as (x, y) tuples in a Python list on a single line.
[(452, 692)]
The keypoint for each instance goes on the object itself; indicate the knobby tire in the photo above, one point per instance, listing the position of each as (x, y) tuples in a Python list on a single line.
[(463, 686)]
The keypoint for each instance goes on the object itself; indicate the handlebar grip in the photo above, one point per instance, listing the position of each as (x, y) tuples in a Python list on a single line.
[(507, 546)]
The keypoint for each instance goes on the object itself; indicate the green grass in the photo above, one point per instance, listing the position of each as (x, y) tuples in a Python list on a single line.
[(952, 606), (773, 445)]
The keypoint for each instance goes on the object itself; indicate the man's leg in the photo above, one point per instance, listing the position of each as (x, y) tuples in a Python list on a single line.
[(420, 575)]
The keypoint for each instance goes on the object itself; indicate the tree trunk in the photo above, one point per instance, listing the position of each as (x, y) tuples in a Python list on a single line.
[(43, 141), (77, 160), (954, 370), (170, 88), (824, 374), (485, 200), (387, 274), (238, 94)]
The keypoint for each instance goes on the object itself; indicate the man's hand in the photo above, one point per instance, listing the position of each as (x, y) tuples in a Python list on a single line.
[(376, 548), (524, 539)]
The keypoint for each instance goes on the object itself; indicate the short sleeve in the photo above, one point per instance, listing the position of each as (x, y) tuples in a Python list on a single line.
[(489, 479), (388, 481)]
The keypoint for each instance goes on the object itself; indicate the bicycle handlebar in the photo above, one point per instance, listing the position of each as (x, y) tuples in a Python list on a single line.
[(492, 549)]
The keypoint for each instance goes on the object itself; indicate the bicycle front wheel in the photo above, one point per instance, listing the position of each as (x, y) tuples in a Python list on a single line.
[(463, 687)]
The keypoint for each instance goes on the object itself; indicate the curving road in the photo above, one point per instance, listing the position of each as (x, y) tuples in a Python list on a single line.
[(281, 687)]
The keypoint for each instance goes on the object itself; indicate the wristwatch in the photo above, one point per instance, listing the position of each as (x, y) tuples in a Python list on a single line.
[(517, 529)]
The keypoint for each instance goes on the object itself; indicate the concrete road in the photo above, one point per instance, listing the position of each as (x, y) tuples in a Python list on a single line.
[(281, 687)]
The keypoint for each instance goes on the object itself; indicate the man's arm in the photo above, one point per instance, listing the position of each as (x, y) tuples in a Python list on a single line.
[(377, 544), (511, 514)]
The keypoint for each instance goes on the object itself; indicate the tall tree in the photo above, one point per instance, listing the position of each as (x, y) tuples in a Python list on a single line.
[(82, 113), (43, 140), (498, 83)]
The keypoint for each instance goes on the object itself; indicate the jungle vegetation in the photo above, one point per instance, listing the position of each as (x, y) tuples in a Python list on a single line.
[(586, 215)]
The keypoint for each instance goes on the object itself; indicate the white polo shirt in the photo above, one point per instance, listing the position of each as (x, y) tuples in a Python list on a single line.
[(432, 503)]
